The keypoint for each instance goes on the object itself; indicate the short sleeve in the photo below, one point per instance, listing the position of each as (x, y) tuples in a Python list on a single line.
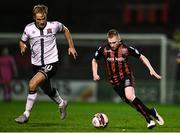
[(134, 52), (60, 26), (99, 53), (25, 35)]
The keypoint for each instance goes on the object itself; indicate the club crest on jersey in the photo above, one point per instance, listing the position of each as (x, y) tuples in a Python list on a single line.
[(49, 31), (124, 50)]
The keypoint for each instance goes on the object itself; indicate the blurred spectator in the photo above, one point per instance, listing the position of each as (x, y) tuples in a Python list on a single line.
[(7, 71), (23, 64), (178, 57), (176, 37), (177, 76)]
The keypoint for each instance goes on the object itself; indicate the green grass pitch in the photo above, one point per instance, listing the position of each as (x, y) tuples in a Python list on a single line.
[(45, 118)]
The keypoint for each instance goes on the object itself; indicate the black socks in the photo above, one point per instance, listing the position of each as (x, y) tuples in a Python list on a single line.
[(142, 109)]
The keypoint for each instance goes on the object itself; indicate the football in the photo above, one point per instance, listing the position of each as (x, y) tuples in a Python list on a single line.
[(100, 120)]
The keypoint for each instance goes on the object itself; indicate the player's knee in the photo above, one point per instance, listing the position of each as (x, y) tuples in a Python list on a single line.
[(32, 85), (124, 99), (130, 97)]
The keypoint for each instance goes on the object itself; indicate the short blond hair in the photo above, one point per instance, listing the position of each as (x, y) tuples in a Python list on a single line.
[(40, 9), (112, 32)]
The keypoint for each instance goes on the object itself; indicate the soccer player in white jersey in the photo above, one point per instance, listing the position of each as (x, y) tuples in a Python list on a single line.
[(41, 35)]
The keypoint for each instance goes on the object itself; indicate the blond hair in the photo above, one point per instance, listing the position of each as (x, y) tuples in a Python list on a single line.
[(40, 9)]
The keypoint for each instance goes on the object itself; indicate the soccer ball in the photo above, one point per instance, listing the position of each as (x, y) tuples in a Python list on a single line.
[(100, 120)]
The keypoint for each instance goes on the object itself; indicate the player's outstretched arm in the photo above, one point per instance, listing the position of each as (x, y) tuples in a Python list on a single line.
[(95, 70), (23, 47), (148, 65), (71, 50)]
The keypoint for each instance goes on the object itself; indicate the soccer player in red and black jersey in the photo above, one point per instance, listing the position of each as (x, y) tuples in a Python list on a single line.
[(116, 54)]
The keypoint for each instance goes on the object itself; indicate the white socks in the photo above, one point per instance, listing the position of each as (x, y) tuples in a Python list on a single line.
[(29, 103), (57, 98), (32, 97)]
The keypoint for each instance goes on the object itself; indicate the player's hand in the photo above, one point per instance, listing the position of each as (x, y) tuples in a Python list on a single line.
[(178, 59), (96, 77), (153, 73), (23, 49), (72, 51)]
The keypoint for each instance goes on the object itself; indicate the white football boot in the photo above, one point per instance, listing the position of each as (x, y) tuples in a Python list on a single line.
[(22, 119), (151, 124), (158, 118), (62, 109)]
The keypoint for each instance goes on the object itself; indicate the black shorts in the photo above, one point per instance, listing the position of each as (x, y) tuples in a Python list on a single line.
[(48, 70), (120, 88)]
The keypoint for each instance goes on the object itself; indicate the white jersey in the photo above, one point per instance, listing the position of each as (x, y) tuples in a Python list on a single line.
[(42, 42)]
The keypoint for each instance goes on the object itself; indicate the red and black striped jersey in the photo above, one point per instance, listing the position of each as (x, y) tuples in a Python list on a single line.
[(117, 61)]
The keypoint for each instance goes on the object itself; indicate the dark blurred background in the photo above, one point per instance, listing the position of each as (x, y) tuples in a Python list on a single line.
[(82, 17), (96, 16)]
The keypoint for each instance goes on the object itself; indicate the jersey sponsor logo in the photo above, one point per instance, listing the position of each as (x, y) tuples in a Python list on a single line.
[(115, 59)]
